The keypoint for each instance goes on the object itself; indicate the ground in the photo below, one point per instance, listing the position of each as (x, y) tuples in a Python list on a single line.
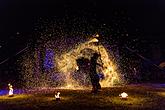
[(140, 97)]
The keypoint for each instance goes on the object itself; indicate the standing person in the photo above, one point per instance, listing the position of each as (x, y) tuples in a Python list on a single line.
[(136, 76), (93, 73)]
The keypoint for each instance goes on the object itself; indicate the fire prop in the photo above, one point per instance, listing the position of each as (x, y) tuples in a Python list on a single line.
[(10, 90), (57, 96), (123, 95)]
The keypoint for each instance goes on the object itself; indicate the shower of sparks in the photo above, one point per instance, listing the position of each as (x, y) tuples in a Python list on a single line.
[(67, 64), (48, 62), (65, 74), (52, 63)]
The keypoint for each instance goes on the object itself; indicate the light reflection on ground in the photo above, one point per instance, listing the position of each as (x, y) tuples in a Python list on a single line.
[(16, 91)]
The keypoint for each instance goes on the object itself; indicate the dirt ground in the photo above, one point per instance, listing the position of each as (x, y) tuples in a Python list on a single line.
[(140, 97)]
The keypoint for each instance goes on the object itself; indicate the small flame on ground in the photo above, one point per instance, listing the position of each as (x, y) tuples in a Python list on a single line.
[(10, 89), (58, 95), (123, 95)]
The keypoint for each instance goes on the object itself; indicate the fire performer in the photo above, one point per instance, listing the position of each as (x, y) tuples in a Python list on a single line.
[(91, 66), (93, 73)]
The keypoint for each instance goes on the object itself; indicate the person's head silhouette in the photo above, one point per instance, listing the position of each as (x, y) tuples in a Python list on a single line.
[(96, 55)]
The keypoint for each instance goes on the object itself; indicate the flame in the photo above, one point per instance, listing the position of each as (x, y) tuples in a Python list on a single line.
[(10, 89), (58, 95), (123, 95)]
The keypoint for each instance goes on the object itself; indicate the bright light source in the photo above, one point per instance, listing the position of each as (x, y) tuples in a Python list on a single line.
[(123, 95), (10, 89), (77, 68), (97, 35), (57, 96), (94, 40)]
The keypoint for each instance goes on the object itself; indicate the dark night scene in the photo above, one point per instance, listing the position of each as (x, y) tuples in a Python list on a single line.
[(82, 55)]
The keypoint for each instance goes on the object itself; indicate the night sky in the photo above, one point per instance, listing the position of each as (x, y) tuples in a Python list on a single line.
[(18, 18)]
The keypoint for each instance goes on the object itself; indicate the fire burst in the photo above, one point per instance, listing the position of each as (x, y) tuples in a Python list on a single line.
[(67, 63), (60, 68)]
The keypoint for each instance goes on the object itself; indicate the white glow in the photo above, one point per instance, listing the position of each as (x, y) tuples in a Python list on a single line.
[(94, 40), (97, 35), (123, 95), (10, 89), (58, 95), (77, 68)]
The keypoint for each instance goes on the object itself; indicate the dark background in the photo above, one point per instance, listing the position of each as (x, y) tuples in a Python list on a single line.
[(18, 17)]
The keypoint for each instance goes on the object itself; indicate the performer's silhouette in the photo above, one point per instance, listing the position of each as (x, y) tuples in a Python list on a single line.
[(93, 73), (90, 66)]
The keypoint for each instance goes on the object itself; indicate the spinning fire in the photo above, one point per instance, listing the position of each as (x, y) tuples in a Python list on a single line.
[(61, 69)]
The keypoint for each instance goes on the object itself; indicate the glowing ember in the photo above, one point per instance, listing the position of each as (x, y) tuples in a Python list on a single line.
[(123, 95), (10, 89)]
